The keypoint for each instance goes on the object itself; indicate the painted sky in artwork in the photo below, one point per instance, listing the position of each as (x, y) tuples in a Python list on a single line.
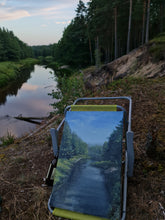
[(37, 22), (94, 127)]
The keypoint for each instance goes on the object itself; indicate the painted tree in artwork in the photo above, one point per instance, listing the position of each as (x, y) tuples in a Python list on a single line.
[(112, 148), (66, 144), (71, 144), (79, 147)]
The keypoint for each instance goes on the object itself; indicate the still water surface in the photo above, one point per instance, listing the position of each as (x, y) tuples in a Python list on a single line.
[(84, 192), (31, 100)]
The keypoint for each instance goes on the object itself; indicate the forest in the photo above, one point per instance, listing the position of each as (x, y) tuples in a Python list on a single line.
[(100, 32), (12, 48), (72, 145), (105, 30)]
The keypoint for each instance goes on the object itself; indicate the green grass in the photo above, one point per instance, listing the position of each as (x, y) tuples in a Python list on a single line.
[(125, 84), (157, 47), (8, 139), (159, 39), (10, 71), (70, 88), (64, 169)]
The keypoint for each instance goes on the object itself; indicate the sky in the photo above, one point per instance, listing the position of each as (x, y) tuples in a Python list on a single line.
[(93, 127), (37, 22)]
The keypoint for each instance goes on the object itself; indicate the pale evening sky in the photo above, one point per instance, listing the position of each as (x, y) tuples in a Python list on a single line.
[(93, 127), (37, 22)]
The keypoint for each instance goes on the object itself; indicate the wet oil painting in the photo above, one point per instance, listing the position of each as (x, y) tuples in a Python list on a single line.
[(88, 174)]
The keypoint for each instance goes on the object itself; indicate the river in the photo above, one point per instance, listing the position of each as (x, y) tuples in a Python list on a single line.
[(85, 192), (30, 99)]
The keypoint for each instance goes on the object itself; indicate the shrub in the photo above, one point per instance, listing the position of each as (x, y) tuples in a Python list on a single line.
[(70, 88), (8, 139)]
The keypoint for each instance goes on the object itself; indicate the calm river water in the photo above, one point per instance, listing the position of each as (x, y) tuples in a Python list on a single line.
[(85, 191), (30, 99)]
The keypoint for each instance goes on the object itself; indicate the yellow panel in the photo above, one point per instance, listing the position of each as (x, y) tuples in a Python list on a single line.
[(93, 107), (75, 215)]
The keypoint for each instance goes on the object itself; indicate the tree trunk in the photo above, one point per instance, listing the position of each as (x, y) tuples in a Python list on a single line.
[(148, 19), (115, 14), (112, 46), (107, 53), (34, 120), (90, 46), (162, 16), (144, 17), (129, 26), (90, 50), (97, 53)]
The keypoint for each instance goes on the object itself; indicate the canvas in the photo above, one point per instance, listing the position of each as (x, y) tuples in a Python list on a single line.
[(88, 174)]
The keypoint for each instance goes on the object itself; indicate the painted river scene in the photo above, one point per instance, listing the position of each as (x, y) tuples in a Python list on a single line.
[(27, 100), (88, 174)]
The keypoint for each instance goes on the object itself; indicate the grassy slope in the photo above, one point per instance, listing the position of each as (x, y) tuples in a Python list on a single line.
[(157, 47), (146, 189), (10, 71), (24, 164)]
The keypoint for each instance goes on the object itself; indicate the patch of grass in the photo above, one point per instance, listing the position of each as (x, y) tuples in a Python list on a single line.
[(159, 39), (8, 139), (157, 48), (64, 169), (7, 72), (20, 160), (125, 84), (2, 157), (10, 71), (157, 52), (27, 63)]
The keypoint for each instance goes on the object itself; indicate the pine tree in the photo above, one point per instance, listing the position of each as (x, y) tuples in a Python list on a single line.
[(129, 27), (147, 22)]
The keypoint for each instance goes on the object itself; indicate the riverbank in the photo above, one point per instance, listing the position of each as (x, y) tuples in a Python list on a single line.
[(24, 164), (11, 71), (24, 99)]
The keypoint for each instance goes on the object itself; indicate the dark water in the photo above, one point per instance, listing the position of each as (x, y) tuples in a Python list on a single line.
[(85, 192), (28, 99)]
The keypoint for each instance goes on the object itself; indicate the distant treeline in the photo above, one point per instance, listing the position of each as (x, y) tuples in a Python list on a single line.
[(44, 50), (105, 30), (12, 48)]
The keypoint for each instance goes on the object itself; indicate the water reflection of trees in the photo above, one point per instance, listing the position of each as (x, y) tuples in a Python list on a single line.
[(13, 87)]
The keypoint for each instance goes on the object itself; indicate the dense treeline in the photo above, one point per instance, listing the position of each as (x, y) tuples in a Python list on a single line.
[(44, 50), (72, 145), (11, 48), (105, 30), (112, 148), (110, 158)]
